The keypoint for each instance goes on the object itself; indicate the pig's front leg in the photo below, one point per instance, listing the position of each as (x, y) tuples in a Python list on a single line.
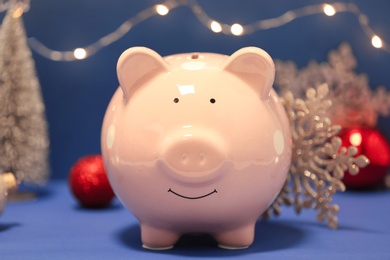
[(157, 239), (238, 238)]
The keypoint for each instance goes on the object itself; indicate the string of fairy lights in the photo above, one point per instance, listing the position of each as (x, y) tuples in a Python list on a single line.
[(215, 26)]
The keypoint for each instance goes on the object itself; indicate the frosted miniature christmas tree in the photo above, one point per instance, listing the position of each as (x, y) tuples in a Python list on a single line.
[(24, 139)]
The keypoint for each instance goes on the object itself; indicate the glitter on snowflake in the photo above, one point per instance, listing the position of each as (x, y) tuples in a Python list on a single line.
[(318, 159)]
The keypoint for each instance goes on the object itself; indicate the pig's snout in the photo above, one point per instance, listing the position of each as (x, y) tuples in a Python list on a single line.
[(194, 156)]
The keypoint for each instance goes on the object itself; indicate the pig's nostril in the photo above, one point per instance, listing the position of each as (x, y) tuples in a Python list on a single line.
[(202, 158), (184, 158)]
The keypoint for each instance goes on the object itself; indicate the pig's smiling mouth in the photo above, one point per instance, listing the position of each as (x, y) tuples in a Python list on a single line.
[(192, 198)]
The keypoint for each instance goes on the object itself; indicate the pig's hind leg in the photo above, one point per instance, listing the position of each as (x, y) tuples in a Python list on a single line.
[(238, 238), (157, 239)]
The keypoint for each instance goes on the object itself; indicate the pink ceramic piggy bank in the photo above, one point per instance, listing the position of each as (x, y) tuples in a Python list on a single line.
[(196, 143)]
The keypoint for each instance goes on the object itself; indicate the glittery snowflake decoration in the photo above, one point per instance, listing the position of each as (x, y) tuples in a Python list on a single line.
[(354, 103), (318, 158)]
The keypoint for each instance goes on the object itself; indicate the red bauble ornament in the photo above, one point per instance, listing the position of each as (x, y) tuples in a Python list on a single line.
[(89, 184), (375, 147)]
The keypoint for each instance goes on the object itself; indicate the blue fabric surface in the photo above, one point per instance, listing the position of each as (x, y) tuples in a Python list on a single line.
[(54, 226)]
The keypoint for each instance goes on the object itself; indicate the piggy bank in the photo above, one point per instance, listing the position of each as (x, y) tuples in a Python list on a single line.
[(196, 143)]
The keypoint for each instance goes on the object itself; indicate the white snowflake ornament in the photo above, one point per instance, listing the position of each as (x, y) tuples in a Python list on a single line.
[(318, 158)]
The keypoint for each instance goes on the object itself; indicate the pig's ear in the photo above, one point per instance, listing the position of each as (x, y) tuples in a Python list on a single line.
[(136, 65), (254, 66)]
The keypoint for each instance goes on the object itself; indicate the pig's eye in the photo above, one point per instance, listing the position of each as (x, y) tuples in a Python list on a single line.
[(212, 100), (176, 100)]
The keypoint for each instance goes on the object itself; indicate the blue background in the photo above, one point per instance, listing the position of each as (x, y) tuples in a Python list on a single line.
[(77, 93)]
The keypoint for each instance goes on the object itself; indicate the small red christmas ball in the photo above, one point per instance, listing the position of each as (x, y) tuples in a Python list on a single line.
[(375, 147), (89, 184)]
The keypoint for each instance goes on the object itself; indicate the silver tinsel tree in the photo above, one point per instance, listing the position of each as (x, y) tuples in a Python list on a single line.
[(23, 128)]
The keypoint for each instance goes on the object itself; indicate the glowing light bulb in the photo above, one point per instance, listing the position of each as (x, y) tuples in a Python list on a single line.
[(18, 12), (376, 41), (237, 29), (215, 27), (329, 10), (355, 139), (162, 9), (80, 53)]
